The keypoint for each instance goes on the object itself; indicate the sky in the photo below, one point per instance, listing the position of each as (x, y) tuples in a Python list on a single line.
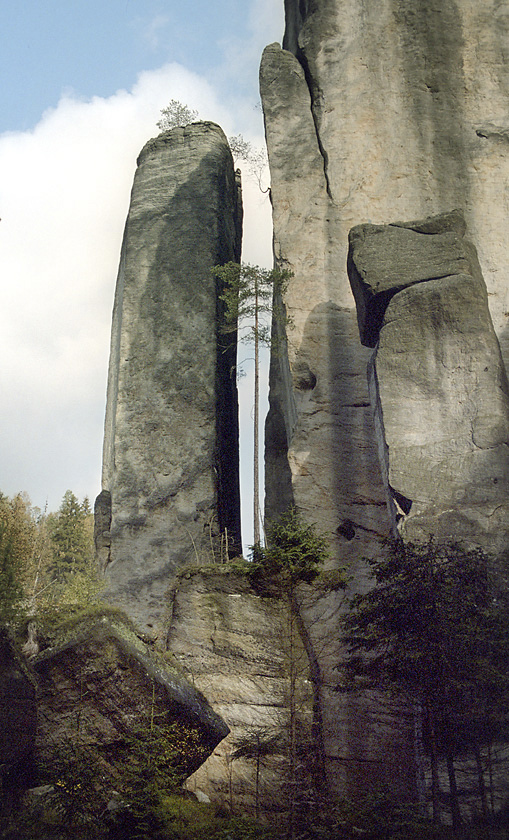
[(83, 84)]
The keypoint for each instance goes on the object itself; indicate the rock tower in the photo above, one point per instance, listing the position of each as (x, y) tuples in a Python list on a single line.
[(379, 113), (170, 461)]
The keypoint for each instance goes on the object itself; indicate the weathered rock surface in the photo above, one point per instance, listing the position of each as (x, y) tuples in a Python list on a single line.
[(374, 112), (383, 259), (439, 383), (170, 460), (235, 645), (100, 680), (409, 102)]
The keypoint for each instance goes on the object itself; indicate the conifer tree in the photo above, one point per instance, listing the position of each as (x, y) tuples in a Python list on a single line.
[(250, 294), (71, 536), (432, 630), (17, 535)]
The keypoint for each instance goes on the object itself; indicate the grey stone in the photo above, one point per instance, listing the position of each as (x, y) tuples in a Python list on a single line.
[(99, 673), (102, 526), (170, 461), (383, 259), (373, 112), (235, 642), (439, 388)]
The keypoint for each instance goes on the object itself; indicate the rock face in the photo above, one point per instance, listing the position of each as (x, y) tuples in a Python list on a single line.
[(235, 643), (376, 112), (170, 461), (371, 114), (100, 680), (439, 385)]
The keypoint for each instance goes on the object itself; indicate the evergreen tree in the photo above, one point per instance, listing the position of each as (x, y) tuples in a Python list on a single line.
[(249, 295), (71, 537), (431, 630), (293, 555), (17, 536)]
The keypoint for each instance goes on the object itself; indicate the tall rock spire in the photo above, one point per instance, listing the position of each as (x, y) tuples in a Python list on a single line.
[(374, 112), (170, 461)]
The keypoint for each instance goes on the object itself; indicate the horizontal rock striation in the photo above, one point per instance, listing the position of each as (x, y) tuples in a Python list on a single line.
[(170, 462), (235, 645)]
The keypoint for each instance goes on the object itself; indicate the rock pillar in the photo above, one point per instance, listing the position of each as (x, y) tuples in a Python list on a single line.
[(373, 112), (170, 461)]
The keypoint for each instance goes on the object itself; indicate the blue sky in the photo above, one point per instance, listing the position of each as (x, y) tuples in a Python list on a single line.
[(94, 48), (83, 83)]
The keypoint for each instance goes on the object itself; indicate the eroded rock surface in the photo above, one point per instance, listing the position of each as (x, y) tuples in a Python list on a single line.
[(170, 463), (374, 112), (235, 645), (98, 680), (439, 384)]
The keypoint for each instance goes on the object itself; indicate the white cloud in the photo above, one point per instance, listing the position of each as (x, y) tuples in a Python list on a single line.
[(64, 194)]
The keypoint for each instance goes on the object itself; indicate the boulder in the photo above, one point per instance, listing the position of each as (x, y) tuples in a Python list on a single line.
[(98, 681), (383, 259)]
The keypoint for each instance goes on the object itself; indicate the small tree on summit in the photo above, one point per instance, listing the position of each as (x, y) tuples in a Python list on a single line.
[(176, 114)]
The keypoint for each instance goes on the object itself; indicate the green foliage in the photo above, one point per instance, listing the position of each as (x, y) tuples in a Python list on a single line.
[(17, 530), (157, 756), (185, 819), (78, 797), (176, 114), (71, 534), (293, 554), (430, 625), (247, 292), (432, 630), (47, 565), (11, 592)]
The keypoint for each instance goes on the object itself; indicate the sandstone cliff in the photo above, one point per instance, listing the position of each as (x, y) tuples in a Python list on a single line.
[(373, 113), (170, 462)]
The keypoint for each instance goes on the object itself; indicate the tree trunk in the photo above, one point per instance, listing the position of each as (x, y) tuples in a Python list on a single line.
[(293, 730), (256, 479), (492, 784), (257, 788), (453, 791), (419, 757), (435, 781), (480, 781)]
